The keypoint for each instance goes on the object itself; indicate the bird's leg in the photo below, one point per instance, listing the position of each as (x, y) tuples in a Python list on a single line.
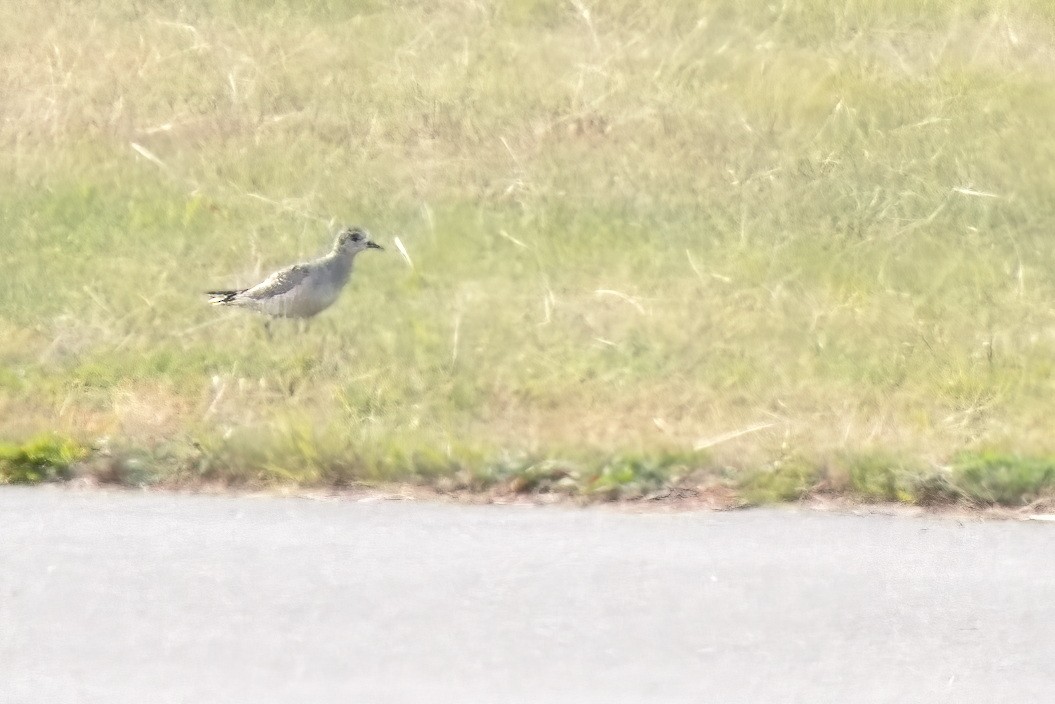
[(267, 329)]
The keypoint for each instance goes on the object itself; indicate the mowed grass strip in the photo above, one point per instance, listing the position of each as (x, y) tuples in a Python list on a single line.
[(766, 242), (305, 461)]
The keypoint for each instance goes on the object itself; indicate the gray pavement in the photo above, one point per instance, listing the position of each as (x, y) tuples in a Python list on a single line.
[(127, 597)]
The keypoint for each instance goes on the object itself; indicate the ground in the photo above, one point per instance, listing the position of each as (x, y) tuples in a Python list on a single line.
[(780, 248)]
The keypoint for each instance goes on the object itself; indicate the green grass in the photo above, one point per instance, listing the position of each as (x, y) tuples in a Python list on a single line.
[(45, 458), (831, 219)]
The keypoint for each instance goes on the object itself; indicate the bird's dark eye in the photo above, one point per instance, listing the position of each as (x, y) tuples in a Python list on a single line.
[(357, 237)]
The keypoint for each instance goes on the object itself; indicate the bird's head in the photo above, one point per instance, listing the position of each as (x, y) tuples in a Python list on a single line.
[(353, 240)]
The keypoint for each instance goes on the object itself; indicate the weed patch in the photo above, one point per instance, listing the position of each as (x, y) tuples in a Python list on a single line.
[(42, 459)]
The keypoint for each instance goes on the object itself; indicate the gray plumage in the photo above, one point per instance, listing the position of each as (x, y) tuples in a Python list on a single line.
[(305, 289)]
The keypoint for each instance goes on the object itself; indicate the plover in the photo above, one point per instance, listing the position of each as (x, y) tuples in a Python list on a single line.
[(305, 289)]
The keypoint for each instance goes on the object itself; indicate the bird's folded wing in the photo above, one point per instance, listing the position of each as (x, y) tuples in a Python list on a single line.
[(282, 281)]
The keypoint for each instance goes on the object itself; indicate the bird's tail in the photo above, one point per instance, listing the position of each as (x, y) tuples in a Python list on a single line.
[(222, 298)]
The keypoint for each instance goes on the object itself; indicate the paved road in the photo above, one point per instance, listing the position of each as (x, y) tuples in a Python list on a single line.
[(124, 597)]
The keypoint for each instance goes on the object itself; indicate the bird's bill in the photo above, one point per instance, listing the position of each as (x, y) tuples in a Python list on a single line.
[(374, 245)]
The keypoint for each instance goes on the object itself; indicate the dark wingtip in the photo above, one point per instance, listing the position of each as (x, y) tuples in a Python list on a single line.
[(222, 296)]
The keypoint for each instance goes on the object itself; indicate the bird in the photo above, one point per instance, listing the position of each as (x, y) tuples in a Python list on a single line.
[(305, 289)]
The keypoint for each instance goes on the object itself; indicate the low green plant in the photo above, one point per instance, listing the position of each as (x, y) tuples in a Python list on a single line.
[(881, 477), (41, 459), (1002, 478), (789, 480)]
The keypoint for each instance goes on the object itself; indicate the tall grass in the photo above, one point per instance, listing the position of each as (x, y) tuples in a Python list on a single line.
[(778, 231)]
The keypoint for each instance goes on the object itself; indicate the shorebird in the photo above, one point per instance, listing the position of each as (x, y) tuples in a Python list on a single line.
[(304, 289)]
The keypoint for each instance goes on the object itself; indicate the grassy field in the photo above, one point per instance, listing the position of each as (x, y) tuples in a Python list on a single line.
[(778, 246)]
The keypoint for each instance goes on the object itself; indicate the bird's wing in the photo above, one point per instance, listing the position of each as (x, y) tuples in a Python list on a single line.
[(282, 281)]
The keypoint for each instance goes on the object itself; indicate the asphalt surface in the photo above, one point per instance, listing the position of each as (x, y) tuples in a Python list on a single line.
[(128, 597)]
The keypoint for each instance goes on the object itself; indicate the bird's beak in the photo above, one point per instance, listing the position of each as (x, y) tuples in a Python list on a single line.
[(374, 245)]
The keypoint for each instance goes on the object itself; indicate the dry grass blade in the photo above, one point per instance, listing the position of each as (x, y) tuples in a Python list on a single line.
[(623, 297), (148, 155), (403, 251), (512, 239), (706, 443), (975, 193)]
